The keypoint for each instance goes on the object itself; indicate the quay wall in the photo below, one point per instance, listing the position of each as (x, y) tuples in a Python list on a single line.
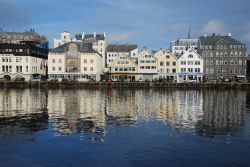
[(50, 84)]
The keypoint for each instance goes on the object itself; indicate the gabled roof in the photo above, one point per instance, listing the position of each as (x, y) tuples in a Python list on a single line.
[(82, 47), (121, 48), (165, 52), (90, 37), (123, 54), (214, 39), (185, 53)]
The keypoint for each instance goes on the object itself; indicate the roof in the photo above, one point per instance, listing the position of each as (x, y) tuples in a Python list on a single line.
[(91, 37), (83, 47), (121, 48), (212, 40), (181, 42)]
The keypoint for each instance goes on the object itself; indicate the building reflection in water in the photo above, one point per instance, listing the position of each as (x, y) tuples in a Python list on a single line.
[(90, 112), (22, 111), (224, 112)]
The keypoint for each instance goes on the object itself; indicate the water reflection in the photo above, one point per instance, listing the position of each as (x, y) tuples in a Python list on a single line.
[(22, 112), (90, 112)]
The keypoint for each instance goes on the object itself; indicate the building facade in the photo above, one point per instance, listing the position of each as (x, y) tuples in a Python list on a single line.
[(190, 67), (22, 61), (168, 66), (19, 37), (114, 51), (147, 66), (224, 56), (64, 38), (123, 68), (75, 61)]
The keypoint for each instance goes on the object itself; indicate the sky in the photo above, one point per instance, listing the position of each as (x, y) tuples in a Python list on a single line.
[(148, 23)]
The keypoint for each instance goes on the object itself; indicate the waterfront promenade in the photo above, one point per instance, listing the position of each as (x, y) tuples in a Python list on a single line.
[(50, 84)]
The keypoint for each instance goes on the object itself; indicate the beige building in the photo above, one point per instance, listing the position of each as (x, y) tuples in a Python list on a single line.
[(75, 61), (123, 69), (168, 66)]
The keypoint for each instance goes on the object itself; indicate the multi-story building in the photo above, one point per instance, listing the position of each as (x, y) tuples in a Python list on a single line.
[(248, 67), (168, 65), (123, 68), (224, 56), (98, 42), (147, 65), (74, 61), (114, 51), (19, 37), (22, 61), (180, 46), (190, 67)]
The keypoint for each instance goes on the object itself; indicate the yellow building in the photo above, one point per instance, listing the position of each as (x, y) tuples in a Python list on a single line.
[(167, 65), (123, 68)]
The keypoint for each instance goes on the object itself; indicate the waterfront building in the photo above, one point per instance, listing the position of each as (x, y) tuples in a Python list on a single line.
[(147, 65), (23, 61), (123, 68), (224, 56), (98, 42), (168, 65), (19, 37), (75, 61), (190, 66), (248, 67), (114, 51)]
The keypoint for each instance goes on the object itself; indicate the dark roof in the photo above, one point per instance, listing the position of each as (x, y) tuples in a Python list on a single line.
[(212, 40), (83, 47), (121, 48), (90, 37)]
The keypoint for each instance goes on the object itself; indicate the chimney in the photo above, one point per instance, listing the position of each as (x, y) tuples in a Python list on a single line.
[(229, 34), (104, 34), (94, 34), (205, 35)]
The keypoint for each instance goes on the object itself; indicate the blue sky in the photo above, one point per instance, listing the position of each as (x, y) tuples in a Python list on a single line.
[(150, 23)]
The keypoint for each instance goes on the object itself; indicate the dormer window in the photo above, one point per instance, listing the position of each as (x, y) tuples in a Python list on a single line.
[(190, 56)]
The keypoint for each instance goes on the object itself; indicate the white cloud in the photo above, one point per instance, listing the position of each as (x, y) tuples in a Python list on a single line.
[(215, 26), (116, 38)]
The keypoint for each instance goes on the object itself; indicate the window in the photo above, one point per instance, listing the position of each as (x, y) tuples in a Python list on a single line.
[(59, 68), (27, 68), (183, 63), (60, 61), (91, 69), (120, 69), (153, 61), (190, 62), (85, 68), (161, 63), (190, 69), (217, 62), (183, 69), (167, 63), (231, 62), (116, 68), (174, 63), (231, 71), (221, 62), (197, 70), (142, 61), (225, 62), (10, 59), (147, 67), (153, 67), (207, 62), (218, 71), (91, 61), (217, 54), (211, 62), (211, 54), (197, 63), (190, 56), (240, 62), (173, 70), (53, 60), (21, 70), (141, 67), (236, 62), (53, 68), (147, 61), (3, 68), (223, 71), (133, 68), (27, 59), (236, 71), (10, 68)]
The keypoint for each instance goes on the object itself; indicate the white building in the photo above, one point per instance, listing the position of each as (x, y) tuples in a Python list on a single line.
[(65, 37), (180, 46), (147, 65), (22, 61), (190, 66), (114, 51), (75, 61)]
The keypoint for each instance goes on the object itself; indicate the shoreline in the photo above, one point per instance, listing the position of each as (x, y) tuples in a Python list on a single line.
[(101, 85)]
